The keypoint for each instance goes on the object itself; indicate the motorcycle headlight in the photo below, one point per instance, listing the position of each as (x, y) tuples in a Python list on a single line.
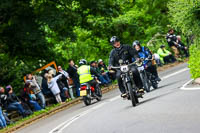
[(139, 63), (124, 69)]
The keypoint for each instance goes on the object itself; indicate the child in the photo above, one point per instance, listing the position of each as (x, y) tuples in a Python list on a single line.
[(53, 86)]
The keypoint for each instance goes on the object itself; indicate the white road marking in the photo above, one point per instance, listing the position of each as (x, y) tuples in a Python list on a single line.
[(189, 88), (65, 124), (170, 75)]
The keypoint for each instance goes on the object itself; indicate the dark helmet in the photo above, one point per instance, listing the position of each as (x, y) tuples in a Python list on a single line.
[(114, 39), (162, 46), (82, 62), (136, 42)]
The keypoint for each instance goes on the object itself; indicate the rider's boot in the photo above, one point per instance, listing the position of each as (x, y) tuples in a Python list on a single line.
[(158, 79), (124, 95)]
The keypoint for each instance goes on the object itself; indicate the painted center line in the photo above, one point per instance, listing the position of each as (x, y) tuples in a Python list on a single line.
[(65, 124)]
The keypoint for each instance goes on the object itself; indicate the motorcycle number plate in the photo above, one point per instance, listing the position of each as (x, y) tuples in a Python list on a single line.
[(124, 68), (83, 93), (141, 68)]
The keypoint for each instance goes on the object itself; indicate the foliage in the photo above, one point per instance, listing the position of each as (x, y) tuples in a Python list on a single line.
[(35, 30), (186, 17), (194, 61)]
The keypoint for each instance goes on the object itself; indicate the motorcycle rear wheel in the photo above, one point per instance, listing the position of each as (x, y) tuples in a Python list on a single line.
[(86, 100)]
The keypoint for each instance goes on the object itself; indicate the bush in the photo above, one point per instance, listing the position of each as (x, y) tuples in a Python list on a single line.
[(194, 62), (13, 71)]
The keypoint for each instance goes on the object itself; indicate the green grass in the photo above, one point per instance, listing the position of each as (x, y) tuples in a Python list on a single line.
[(37, 113)]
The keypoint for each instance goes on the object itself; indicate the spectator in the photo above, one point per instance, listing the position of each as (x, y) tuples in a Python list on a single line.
[(10, 101), (2, 118), (45, 90), (100, 78), (103, 69), (181, 46), (172, 42), (53, 86), (62, 82), (27, 97), (36, 89), (165, 55), (157, 59), (72, 70)]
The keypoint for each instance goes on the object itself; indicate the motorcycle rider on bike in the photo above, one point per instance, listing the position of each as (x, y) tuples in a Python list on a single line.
[(85, 75), (144, 53), (125, 53)]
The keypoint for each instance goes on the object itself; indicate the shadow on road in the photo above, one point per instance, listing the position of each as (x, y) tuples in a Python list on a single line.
[(163, 86), (157, 97), (153, 98)]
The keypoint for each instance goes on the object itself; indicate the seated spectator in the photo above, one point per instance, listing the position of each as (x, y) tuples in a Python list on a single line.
[(181, 46), (25, 94), (11, 102), (2, 119), (103, 69), (36, 89), (165, 55), (100, 78), (53, 86), (157, 59), (72, 70), (62, 82)]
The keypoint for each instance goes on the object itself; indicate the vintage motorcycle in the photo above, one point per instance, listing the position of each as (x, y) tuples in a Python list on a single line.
[(148, 79), (88, 93), (128, 82)]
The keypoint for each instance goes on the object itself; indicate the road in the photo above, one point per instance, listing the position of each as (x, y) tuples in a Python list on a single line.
[(167, 109)]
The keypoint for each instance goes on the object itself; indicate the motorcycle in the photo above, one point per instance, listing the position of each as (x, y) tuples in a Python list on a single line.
[(148, 79), (144, 77), (88, 93), (128, 82)]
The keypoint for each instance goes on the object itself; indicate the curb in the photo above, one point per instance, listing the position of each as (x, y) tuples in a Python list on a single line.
[(55, 110), (189, 88), (72, 103)]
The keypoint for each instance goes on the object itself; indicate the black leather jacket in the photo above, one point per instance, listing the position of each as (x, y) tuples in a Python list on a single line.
[(125, 52)]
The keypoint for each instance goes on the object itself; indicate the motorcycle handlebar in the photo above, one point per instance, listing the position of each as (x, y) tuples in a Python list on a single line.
[(118, 67)]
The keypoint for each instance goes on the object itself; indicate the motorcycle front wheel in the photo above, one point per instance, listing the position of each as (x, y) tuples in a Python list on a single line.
[(145, 82), (132, 95)]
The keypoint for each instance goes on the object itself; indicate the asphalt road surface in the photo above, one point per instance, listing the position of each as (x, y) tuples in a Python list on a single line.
[(167, 109)]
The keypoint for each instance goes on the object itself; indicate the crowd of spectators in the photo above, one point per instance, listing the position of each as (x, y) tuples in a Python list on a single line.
[(62, 86), (58, 85)]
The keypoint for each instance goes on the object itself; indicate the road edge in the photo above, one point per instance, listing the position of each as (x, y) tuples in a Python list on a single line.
[(74, 102)]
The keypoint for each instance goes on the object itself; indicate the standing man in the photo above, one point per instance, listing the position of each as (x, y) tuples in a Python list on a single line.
[(126, 53), (72, 70), (172, 42)]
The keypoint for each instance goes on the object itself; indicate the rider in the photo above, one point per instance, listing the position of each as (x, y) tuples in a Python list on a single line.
[(85, 74), (144, 53), (126, 53)]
